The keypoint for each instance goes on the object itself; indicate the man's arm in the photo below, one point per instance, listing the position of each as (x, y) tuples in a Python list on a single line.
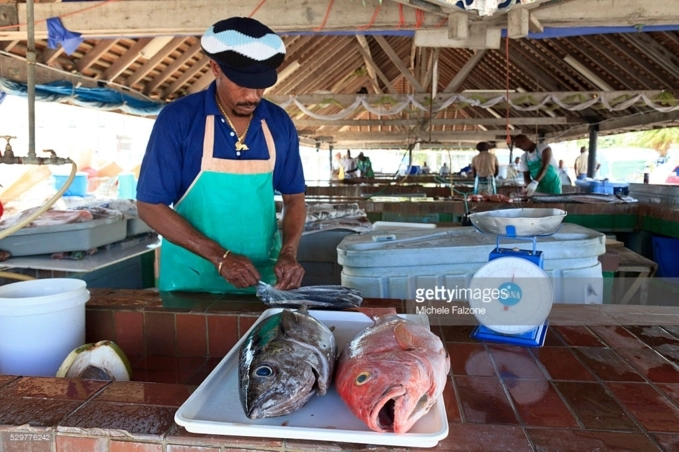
[(236, 269), (289, 272)]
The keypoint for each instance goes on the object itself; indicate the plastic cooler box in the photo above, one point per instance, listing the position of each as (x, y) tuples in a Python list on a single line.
[(604, 186), (448, 257)]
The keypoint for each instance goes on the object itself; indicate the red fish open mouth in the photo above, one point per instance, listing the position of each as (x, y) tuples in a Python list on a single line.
[(384, 412)]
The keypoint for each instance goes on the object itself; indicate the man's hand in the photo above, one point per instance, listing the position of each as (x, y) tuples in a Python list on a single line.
[(239, 271), (289, 272), (530, 189)]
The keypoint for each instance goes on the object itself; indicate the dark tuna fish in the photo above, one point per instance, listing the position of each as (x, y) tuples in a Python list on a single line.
[(284, 361)]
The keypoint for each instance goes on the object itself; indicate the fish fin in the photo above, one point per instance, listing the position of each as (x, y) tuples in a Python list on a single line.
[(404, 337), (288, 320)]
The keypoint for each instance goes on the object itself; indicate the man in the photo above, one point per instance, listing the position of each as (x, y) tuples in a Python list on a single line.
[(444, 170), (538, 166), (485, 168), (582, 164), (425, 168), (216, 157), (516, 164), (365, 166), (349, 165)]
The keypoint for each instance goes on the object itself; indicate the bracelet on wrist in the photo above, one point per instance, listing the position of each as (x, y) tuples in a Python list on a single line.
[(221, 262)]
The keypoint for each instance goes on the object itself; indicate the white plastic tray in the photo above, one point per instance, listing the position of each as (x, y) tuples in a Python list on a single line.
[(215, 408)]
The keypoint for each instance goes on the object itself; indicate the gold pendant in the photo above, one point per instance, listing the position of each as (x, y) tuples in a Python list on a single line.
[(241, 146)]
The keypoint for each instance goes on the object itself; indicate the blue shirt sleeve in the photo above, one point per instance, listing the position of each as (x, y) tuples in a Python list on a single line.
[(160, 177), (288, 173)]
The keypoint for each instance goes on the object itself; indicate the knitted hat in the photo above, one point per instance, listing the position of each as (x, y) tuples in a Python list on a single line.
[(247, 51)]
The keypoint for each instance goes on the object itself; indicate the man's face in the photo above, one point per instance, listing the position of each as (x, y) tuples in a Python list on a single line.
[(235, 99), (522, 143)]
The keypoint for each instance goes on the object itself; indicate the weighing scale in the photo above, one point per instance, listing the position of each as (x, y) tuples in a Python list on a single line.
[(511, 294)]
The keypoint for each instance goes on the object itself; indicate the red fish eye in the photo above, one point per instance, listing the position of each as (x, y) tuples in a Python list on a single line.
[(362, 378), (263, 371)]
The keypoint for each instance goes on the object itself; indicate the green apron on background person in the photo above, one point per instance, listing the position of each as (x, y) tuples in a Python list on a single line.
[(232, 203), (551, 182)]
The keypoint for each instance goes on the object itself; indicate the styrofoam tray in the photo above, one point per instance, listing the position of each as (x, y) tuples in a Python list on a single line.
[(215, 408), (65, 237)]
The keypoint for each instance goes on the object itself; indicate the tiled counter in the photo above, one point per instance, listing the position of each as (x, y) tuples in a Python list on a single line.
[(606, 379)]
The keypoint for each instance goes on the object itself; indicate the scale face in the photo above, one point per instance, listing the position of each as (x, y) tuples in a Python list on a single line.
[(520, 295)]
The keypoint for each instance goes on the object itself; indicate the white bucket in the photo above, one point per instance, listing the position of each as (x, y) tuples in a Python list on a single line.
[(41, 322)]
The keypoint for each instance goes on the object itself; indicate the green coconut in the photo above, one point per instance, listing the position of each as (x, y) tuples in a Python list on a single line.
[(101, 361)]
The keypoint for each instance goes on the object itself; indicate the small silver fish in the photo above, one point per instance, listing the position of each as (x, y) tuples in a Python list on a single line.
[(284, 361)]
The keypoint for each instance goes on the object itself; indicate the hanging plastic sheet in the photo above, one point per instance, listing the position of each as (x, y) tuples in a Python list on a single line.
[(100, 98)]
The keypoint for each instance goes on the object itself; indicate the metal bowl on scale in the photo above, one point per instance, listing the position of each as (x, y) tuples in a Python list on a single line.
[(524, 222)]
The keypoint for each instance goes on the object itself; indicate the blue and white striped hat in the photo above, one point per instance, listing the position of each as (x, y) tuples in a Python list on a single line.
[(247, 51)]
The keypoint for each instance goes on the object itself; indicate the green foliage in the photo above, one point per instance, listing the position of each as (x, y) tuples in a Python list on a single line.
[(658, 139)]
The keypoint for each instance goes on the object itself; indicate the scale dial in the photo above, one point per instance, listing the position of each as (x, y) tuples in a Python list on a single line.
[(511, 295)]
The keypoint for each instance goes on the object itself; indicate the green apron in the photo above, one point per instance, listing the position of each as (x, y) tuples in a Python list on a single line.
[(232, 203), (551, 182)]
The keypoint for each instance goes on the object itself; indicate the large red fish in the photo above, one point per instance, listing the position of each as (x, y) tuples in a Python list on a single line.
[(392, 373)]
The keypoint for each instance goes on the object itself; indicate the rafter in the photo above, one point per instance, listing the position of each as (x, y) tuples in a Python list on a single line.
[(393, 56), (172, 68), (93, 55), (125, 60), (152, 63)]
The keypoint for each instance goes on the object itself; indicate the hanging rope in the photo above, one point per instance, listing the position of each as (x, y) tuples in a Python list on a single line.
[(372, 20), (258, 6), (401, 17), (419, 18), (508, 137), (325, 19)]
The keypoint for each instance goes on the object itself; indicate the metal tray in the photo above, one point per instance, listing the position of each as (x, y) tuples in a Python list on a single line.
[(519, 222), (215, 408)]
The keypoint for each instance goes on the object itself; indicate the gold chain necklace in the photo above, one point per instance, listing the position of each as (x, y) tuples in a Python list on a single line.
[(240, 145)]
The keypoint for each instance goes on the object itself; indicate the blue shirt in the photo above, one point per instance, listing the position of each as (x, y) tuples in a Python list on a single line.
[(175, 148)]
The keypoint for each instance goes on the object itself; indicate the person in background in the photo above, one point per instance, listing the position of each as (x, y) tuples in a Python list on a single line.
[(425, 168), (485, 168), (212, 164), (582, 164), (444, 170), (365, 166), (467, 170), (563, 174), (516, 163), (539, 168), (337, 168), (349, 165)]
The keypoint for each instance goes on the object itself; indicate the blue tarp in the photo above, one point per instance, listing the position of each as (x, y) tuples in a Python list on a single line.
[(100, 98)]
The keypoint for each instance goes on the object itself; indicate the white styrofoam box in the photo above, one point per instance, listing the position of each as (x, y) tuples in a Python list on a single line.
[(655, 194), (136, 226), (449, 257), (65, 237)]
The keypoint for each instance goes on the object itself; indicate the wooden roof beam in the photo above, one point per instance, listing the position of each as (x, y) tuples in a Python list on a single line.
[(93, 55), (172, 68), (393, 56), (153, 61), (125, 60)]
